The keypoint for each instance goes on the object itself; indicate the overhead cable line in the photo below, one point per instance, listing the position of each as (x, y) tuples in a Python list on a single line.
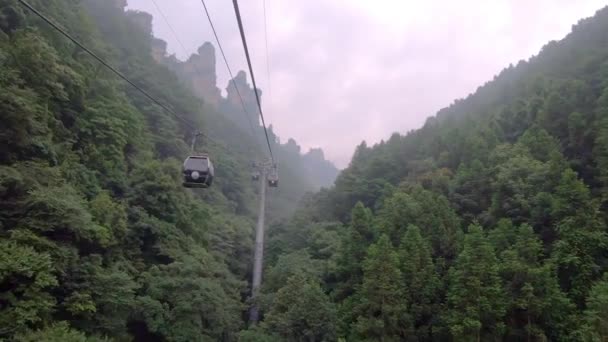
[(237, 12), (267, 54), (114, 70), (219, 44)]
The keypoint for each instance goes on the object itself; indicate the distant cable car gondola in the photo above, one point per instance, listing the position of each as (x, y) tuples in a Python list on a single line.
[(198, 169), (255, 175), (273, 177)]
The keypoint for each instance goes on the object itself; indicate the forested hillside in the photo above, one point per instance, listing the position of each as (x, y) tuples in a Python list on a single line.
[(98, 238), (489, 223)]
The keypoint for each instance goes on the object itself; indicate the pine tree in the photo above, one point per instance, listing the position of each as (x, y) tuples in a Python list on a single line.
[(537, 308), (518, 178), (381, 308), (582, 237), (596, 314), (302, 312), (471, 190), (421, 281), (476, 304), (360, 235), (601, 150), (429, 211), (541, 145)]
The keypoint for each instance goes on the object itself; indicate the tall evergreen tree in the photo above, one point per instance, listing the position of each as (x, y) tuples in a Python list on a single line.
[(422, 283), (596, 313), (302, 312), (360, 234), (537, 309), (476, 302), (380, 311), (582, 237), (429, 211)]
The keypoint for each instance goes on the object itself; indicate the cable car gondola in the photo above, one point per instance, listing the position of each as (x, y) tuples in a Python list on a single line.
[(255, 176), (198, 169), (273, 177)]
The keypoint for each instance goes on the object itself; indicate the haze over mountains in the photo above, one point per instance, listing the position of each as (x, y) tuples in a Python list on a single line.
[(199, 73), (369, 68)]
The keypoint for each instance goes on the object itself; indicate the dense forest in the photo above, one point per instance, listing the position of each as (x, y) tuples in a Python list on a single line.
[(489, 223), (98, 238)]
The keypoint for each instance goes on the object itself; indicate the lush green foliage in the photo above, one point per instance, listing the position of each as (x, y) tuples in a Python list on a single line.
[(489, 223), (301, 311)]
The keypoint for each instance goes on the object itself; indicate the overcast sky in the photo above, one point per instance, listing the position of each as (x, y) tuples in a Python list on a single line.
[(343, 71)]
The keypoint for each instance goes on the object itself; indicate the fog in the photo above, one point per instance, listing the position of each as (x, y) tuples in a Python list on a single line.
[(343, 71)]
